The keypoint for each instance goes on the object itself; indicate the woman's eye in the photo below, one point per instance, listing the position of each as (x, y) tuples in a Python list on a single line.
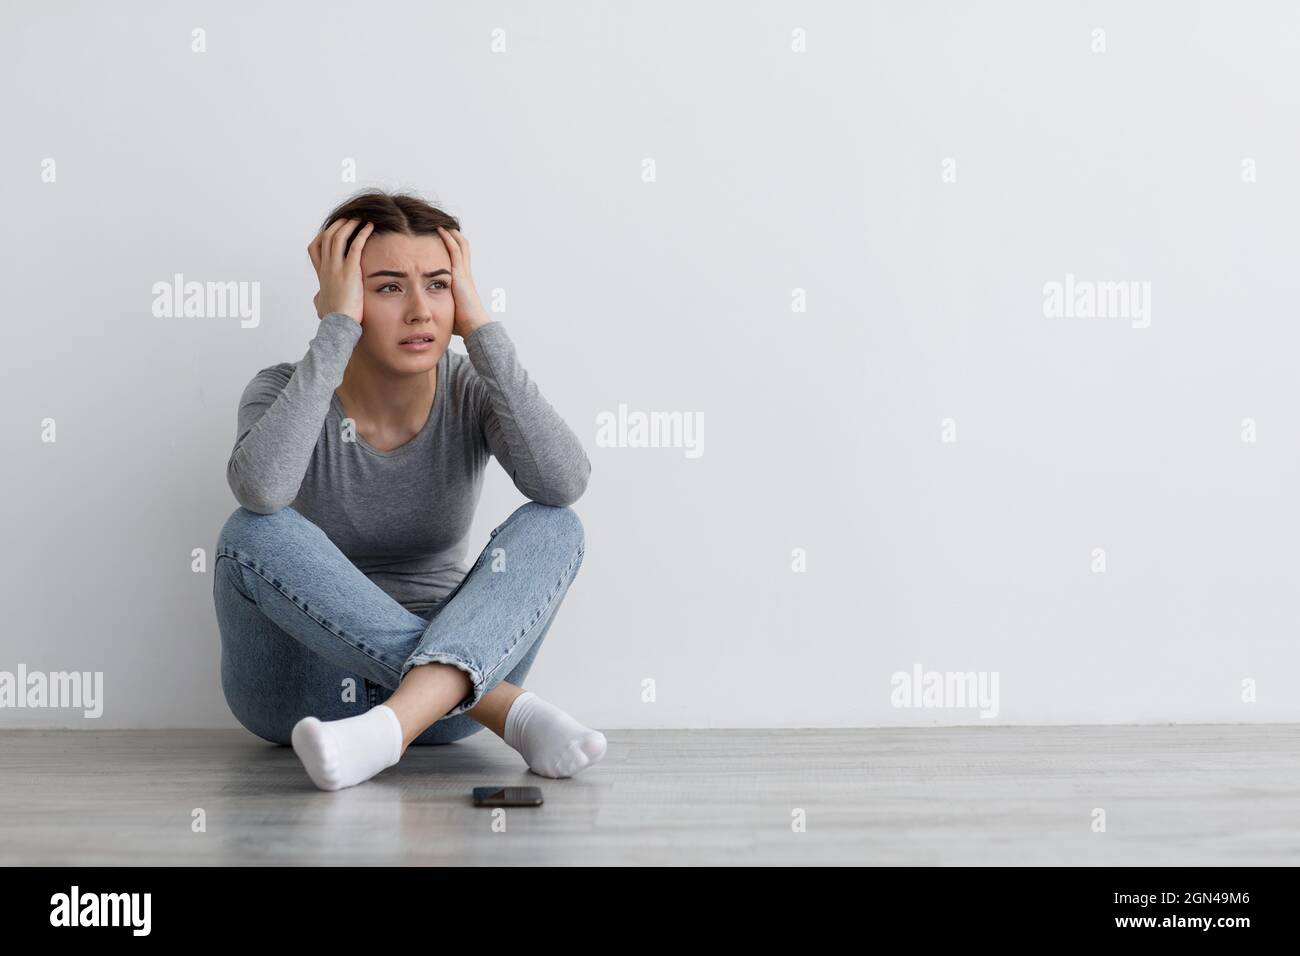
[(393, 285)]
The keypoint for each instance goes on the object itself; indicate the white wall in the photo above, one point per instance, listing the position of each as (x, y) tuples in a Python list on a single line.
[(775, 170)]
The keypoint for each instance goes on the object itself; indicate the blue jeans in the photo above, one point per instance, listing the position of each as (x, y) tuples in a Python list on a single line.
[(305, 632)]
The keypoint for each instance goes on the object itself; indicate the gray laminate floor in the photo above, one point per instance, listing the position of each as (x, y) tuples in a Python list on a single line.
[(1173, 795)]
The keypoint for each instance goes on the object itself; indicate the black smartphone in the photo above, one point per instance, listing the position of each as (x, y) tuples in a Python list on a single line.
[(507, 796)]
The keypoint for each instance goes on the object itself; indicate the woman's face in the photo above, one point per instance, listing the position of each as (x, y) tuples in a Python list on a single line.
[(407, 282)]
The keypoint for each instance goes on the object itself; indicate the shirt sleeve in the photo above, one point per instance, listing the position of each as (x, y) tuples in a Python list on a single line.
[(281, 413), (540, 453)]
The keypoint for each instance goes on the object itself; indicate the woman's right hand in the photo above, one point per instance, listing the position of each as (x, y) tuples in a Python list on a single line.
[(341, 289)]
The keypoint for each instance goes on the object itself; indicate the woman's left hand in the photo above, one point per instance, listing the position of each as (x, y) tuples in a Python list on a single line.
[(470, 314)]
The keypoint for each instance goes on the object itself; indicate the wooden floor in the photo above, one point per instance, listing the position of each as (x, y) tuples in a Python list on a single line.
[(1173, 795)]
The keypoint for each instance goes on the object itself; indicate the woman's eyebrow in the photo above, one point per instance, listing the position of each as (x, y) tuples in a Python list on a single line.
[(402, 275)]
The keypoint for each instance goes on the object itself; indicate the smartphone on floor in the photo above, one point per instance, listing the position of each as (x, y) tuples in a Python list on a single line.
[(507, 796)]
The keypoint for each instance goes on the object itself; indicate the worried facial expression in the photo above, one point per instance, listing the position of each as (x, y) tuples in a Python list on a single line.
[(407, 282)]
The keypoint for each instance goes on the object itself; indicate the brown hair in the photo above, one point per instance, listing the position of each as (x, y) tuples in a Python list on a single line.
[(391, 212)]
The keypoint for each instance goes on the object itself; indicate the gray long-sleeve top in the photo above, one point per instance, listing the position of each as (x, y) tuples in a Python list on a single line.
[(402, 516)]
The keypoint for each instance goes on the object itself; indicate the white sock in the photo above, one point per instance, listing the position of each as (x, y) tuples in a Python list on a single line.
[(343, 753), (550, 741)]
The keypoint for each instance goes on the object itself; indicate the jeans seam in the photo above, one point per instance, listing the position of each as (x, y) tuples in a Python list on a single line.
[(235, 556), (477, 677), (540, 616)]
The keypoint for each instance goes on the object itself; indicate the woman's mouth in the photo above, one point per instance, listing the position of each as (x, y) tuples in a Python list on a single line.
[(416, 343)]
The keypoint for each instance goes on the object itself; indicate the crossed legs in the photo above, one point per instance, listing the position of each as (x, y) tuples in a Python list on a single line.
[(293, 611), (430, 690)]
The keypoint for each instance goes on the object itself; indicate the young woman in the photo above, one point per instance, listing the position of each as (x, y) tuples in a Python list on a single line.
[(350, 625)]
